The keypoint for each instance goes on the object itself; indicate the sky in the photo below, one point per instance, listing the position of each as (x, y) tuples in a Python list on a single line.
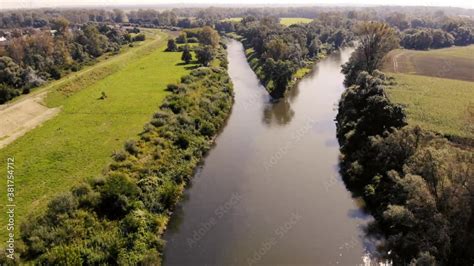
[(7, 4)]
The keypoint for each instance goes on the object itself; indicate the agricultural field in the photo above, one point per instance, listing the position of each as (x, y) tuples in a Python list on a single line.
[(450, 63), (436, 86), (442, 105), (100, 108), (283, 21), (291, 21)]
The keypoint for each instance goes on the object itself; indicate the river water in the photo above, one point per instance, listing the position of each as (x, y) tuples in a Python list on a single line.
[(269, 192)]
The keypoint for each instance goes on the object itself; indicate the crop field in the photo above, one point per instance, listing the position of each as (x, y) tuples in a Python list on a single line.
[(283, 21), (442, 105), (450, 63), (291, 21), (77, 143)]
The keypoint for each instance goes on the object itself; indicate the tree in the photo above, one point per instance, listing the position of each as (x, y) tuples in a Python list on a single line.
[(208, 36), (172, 47), (186, 56), (375, 41), (280, 73), (182, 38), (60, 24), (276, 49), (10, 72), (204, 55)]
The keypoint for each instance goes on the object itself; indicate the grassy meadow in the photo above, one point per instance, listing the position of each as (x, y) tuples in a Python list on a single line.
[(442, 105), (78, 142)]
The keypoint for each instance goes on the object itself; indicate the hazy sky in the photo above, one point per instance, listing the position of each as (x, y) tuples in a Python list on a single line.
[(101, 3)]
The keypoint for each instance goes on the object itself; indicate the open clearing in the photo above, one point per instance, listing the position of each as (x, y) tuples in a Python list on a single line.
[(442, 105), (450, 63), (78, 142)]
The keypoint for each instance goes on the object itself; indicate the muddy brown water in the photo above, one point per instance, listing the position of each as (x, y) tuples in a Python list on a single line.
[(269, 191)]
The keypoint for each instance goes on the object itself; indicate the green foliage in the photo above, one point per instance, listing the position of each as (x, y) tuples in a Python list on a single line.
[(119, 218), (187, 57), (417, 185), (171, 47), (208, 36), (182, 38), (375, 41), (139, 37), (204, 55), (279, 52)]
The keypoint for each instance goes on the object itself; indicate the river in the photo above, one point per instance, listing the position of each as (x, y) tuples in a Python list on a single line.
[(269, 191)]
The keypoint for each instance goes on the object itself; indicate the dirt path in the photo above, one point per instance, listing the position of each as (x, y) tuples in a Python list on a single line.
[(395, 62), (22, 116)]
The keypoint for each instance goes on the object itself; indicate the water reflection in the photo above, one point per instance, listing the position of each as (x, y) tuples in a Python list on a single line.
[(278, 113), (295, 138)]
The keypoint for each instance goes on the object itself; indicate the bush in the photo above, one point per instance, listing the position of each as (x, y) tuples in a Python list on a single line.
[(131, 147), (139, 37)]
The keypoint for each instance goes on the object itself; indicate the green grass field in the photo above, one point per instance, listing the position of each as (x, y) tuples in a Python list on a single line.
[(77, 143), (442, 105), (291, 21)]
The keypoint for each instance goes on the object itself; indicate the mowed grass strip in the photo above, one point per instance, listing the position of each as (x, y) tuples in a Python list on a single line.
[(452, 63), (78, 142), (442, 105)]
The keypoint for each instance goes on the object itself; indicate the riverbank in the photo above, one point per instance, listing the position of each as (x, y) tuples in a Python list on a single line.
[(417, 184), (129, 206)]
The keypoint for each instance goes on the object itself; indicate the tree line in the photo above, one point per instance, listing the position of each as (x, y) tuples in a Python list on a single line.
[(418, 186), (119, 218), (33, 57)]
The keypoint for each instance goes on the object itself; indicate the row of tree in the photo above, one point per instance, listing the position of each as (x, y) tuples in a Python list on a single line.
[(418, 186), (423, 38), (32, 57)]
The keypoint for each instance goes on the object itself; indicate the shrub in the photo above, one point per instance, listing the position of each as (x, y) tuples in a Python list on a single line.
[(131, 147)]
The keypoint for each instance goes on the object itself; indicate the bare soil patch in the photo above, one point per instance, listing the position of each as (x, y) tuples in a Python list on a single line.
[(20, 117)]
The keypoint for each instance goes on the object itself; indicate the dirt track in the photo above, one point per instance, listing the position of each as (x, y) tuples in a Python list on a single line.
[(20, 117)]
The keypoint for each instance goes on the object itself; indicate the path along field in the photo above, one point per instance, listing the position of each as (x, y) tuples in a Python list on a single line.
[(444, 105), (78, 142)]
